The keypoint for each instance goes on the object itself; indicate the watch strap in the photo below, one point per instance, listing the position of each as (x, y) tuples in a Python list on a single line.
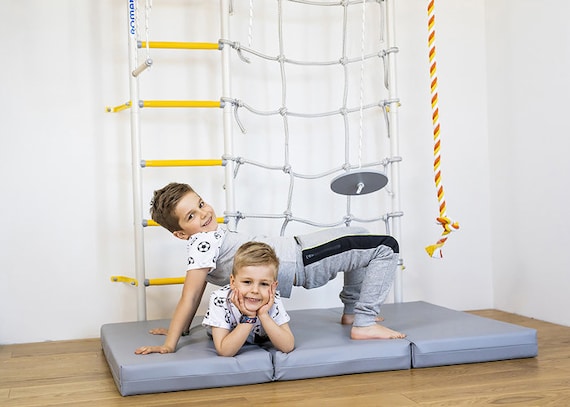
[(247, 320)]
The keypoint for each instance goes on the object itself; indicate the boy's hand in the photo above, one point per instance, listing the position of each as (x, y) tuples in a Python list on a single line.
[(145, 350), (237, 300), (158, 331), (264, 309), (164, 331)]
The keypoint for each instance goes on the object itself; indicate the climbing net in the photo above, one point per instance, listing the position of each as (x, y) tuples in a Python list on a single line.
[(320, 78), (343, 131)]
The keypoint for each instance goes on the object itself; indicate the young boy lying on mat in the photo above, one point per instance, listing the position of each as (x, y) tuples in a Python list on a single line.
[(249, 309), (311, 260)]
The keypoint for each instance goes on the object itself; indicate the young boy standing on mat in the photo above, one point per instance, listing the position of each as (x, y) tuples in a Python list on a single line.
[(368, 261), (249, 309)]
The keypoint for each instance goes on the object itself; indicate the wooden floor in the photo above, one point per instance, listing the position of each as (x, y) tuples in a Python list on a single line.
[(75, 373)]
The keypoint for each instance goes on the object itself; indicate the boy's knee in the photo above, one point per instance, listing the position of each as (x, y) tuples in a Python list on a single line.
[(391, 242)]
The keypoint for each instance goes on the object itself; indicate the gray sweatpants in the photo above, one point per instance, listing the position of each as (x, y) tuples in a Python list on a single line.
[(368, 262)]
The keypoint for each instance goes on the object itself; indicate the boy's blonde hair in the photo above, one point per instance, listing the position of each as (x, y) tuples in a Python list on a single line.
[(164, 203), (255, 254)]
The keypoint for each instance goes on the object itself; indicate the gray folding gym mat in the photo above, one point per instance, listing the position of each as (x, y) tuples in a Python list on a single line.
[(436, 336), (194, 365), (441, 336), (323, 348)]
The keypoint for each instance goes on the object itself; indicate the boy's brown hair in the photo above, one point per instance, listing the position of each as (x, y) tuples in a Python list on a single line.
[(164, 202), (255, 254)]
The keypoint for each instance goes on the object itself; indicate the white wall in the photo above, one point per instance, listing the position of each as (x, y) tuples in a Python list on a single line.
[(66, 175), (463, 279), (528, 61)]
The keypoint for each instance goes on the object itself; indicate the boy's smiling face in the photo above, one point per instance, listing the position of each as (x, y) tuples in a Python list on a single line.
[(194, 216), (255, 284)]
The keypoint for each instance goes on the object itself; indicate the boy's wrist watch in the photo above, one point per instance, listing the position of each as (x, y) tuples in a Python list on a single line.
[(247, 320)]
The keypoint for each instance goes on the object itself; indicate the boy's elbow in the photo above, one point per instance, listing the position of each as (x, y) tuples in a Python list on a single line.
[(225, 353), (288, 348)]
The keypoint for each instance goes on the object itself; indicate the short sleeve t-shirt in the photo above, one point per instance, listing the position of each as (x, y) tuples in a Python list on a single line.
[(215, 251), (203, 249), (223, 314)]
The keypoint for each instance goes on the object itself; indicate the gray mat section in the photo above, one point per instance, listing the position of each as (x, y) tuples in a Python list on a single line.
[(441, 336), (323, 348), (195, 365), (436, 336)]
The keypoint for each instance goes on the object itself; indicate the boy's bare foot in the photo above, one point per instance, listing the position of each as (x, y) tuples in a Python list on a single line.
[(374, 332), (348, 319), (158, 331)]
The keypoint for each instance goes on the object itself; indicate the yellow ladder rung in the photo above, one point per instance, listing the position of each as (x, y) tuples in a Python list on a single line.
[(163, 281), (180, 45), (166, 103), (119, 108), (150, 222), (180, 103), (123, 279), (182, 163)]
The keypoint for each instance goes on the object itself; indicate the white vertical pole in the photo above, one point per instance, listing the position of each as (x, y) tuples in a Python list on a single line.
[(227, 111), (394, 138), (135, 160)]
